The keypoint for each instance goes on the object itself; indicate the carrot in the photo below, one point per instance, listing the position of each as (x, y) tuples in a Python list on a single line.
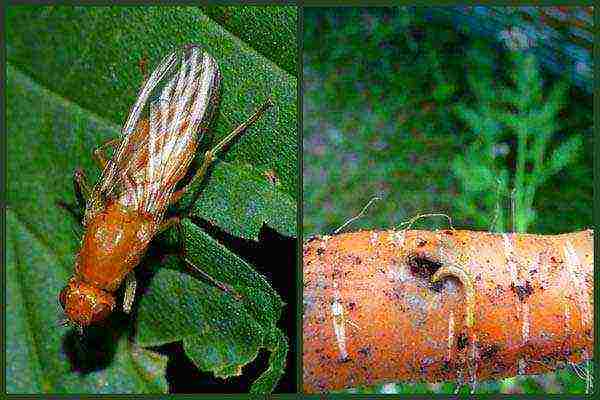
[(412, 305)]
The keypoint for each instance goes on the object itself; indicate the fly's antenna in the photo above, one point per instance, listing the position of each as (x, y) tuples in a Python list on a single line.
[(360, 214)]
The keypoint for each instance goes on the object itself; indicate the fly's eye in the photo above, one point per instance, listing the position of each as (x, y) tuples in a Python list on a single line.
[(62, 297)]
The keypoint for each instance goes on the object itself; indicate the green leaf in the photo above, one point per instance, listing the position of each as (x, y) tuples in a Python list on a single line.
[(72, 76), (258, 200), (278, 347), (221, 331), (254, 25)]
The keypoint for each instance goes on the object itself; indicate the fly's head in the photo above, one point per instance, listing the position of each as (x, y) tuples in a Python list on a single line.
[(85, 304)]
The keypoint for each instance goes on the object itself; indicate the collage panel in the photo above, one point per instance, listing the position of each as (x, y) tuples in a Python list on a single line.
[(447, 200), (152, 169)]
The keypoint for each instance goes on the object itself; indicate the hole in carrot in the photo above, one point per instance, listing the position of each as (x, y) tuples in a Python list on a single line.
[(423, 268)]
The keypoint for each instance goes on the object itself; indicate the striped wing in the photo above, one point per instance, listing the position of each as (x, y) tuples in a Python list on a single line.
[(173, 111)]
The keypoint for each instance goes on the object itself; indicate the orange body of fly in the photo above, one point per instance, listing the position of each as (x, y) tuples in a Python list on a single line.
[(113, 244)]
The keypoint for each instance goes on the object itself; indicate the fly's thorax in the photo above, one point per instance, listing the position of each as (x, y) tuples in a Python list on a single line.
[(85, 304), (113, 244)]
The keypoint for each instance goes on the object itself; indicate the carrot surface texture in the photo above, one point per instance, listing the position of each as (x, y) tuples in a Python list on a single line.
[(415, 305)]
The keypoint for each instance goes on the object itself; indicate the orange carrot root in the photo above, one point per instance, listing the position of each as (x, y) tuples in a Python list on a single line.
[(372, 313)]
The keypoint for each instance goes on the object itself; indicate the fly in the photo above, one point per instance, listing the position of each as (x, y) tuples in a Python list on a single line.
[(126, 208)]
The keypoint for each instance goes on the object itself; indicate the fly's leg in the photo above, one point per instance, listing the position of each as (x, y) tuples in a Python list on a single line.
[(210, 155), (99, 154), (130, 285), (82, 194), (143, 65), (176, 221), (465, 278), (223, 286), (169, 223), (81, 188)]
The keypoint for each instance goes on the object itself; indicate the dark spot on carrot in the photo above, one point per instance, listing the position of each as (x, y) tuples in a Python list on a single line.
[(499, 366), (423, 268), (522, 291), (437, 286), (445, 368), (462, 341), (365, 351), (344, 360), (449, 233), (489, 351), (320, 251), (357, 260), (351, 305), (421, 243), (396, 294), (425, 364), (543, 285)]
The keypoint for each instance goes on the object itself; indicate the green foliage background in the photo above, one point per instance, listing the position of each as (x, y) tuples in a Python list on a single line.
[(396, 107), (72, 77)]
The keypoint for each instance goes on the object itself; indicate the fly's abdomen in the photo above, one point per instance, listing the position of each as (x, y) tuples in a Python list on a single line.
[(114, 242)]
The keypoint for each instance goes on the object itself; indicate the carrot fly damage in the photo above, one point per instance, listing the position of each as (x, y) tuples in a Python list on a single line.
[(126, 208)]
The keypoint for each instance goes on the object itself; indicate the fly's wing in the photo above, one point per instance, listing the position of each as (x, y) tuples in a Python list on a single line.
[(160, 136), (178, 120)]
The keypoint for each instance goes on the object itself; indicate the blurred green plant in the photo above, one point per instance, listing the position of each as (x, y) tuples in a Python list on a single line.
[(503, 115)]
